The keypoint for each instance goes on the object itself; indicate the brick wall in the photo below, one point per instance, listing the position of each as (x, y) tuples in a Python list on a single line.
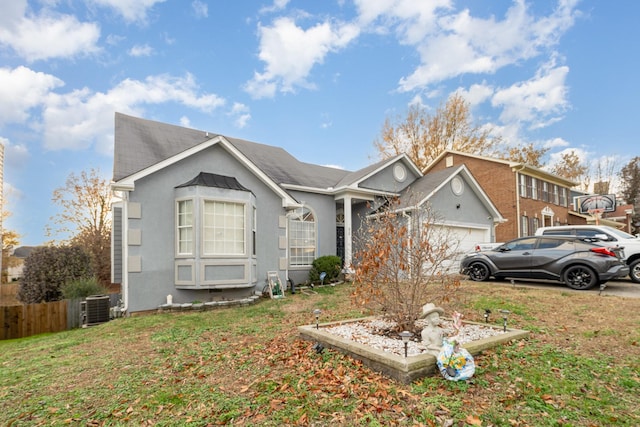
[(499, 183)]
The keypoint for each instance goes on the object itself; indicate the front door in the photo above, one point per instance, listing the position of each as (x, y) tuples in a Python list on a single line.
[(340, 242)]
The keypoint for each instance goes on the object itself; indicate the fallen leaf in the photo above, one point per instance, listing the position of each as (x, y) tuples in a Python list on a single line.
[(473, 420)]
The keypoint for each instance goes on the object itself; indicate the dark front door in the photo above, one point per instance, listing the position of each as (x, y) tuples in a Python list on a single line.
[(340, 242)]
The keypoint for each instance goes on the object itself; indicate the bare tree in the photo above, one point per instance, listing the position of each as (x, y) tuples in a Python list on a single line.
[(527, 154), (604, 172), (423, 137), (402, 261), (630, 188), (572, 167), (10, 239), (86, 217)]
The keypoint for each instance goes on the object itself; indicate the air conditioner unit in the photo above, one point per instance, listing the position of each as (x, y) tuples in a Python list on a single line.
[(95, 310)]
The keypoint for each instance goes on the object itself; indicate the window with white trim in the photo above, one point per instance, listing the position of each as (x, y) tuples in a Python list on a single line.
[(523, 185), (223, 228), (253, 232), (524, 226), (535, 224), (302, 237), (185, 227), (534, 188)]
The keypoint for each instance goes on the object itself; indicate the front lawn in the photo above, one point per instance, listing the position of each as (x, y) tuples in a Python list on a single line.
[(246, 366)]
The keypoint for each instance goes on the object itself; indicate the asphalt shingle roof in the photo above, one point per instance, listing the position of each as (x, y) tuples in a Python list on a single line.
[(141, 143)]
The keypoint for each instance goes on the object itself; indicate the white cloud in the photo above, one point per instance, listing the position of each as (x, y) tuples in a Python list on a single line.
[(476, 94), (130, 10), (81, 118), (538, 101), (241, 113), (141, 50), (290, 52), (15, 156), (276, 6), (66, 37), (201, 9), (185, 122), (412, 20), (555, 143), (457, 44), (556, 157), (22, 89)]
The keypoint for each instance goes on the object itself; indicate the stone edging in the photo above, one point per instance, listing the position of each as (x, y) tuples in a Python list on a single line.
[(404, 370)]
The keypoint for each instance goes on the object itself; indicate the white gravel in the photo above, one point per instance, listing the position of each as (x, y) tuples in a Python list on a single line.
[(369, 333)]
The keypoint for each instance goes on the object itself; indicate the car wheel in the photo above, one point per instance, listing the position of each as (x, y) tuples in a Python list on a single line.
[(580, 277), (634, 271), (478, 272)]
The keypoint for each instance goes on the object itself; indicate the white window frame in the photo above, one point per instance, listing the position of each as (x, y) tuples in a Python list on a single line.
[(523, 185), (303, 232), (226, 236), (181, 227), (524, 226)]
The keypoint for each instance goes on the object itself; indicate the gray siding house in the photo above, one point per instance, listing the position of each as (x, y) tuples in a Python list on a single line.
[(203, 217)]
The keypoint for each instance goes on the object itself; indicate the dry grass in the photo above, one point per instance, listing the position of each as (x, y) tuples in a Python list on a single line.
[(247, 366)]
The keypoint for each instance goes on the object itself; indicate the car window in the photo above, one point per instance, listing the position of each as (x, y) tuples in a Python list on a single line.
[(566, 232), (549, 243), (521, 244), (619, 233), (590, 232)]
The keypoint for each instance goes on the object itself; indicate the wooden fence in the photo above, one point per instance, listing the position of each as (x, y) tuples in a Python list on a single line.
[(18, 321), (8, 292)]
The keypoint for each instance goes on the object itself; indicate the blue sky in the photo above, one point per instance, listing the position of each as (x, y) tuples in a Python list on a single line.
[(317, 78)]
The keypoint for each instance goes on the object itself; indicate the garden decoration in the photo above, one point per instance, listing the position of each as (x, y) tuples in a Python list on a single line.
[(275, 288), (432, 332), (454, 362)]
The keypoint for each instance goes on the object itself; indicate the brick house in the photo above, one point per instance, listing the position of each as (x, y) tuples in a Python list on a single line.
[(526, 196)]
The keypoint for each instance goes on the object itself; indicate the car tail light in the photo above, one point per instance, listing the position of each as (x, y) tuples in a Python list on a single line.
[(604, 251)]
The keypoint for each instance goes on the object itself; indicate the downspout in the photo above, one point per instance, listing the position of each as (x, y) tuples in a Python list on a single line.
[(286, 250), (125, 252), (518, 216)]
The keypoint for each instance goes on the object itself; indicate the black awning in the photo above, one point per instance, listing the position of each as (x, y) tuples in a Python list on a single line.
[(213, 180)]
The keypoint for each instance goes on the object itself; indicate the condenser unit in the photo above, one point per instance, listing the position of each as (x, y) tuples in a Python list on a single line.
[(95, 310)]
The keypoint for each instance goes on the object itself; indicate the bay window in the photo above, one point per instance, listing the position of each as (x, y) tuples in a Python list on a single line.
[(223, 228), (185, 227)]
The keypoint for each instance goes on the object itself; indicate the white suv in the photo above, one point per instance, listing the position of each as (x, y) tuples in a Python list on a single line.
[(629, 243)]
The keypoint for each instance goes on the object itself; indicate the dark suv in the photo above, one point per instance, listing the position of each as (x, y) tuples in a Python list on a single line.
[(609, 237), (580, 263)]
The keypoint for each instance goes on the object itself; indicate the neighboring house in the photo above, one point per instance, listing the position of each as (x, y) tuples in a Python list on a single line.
[(623, 216), (204, 217), (16, 265), (526, 196)]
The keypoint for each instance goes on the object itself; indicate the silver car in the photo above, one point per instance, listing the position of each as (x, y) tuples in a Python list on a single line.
[(579, 263)]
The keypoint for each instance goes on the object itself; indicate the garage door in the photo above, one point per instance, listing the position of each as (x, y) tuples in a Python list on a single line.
[(467, 238)]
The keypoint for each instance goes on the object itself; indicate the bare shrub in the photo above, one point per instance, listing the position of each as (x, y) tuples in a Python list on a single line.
[(401, 263)]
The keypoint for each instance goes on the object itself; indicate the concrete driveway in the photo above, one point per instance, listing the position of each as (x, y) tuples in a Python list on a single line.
[(620, 287)]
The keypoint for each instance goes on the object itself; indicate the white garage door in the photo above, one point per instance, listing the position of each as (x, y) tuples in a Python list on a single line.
[(467, 238)]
